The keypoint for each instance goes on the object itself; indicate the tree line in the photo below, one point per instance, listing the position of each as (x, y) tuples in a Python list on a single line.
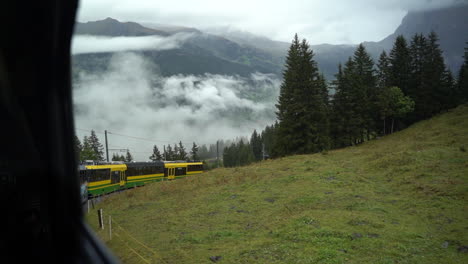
[(366, 100), (91, 149)]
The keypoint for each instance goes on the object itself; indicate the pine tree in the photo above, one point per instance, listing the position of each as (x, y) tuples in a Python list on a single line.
[(269, 139), (256, 143), (156, 154), (78, 148), (365, 89), (301, 107), (96, 146), (383, 70), (182, 153), (117, 157), (433, 92), (169, 153), (462, 83), (194, 152), (287, 107), (400, 65), (88, 152), (128, 156)]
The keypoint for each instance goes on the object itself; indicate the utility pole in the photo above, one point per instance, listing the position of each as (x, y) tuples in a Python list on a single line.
[(263, 151), (164, 147), (217, 153), (107, 148)]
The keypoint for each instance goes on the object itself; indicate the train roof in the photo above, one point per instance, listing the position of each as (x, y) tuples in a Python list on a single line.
[(144, 164)]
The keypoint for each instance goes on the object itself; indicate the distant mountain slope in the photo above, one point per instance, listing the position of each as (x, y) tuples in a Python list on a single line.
[(201, 53), (114, 28), (450, 24), (228, 51)]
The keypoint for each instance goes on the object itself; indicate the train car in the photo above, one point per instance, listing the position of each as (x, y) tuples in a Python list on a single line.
[(102, 178), (141, 173), (105, 178), (179, 169)]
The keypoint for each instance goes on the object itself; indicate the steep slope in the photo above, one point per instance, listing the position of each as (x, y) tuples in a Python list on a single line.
[(400, 199), (450, 24)]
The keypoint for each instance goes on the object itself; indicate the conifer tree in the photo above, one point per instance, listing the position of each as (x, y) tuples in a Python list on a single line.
[(176, 155), (96, 146), (194, 152), (128, 156), (169, 153), (268, 138), (78, 148), (383, 71), (256, 143), (156, 154), (301, 106), (432, 93), (400, 64), (462, 83), (365, 89), (182, 153), (287, 106)]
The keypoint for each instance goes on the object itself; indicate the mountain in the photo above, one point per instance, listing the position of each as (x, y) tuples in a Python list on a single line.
[(113, 28), (234, 52), (450, 24), (201, 53)]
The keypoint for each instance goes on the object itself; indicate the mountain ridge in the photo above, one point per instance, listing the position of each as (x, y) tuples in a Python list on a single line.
[(245, 53)]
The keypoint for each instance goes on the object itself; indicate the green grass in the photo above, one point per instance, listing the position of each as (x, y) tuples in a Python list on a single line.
[(398, 199)]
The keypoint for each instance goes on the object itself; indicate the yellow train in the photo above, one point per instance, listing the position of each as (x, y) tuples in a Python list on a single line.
[(101, 179)]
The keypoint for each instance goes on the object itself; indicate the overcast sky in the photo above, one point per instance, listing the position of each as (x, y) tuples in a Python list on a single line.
[(319, 21)]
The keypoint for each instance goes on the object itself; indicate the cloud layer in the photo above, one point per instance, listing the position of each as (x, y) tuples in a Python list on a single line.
[(96, 44), (331, 21), (130, 99)]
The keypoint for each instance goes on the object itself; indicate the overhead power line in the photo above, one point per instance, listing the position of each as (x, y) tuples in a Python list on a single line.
[(134, 137)]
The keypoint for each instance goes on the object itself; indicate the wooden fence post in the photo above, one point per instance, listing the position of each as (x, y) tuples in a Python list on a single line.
[(101, 219), (110, 228)]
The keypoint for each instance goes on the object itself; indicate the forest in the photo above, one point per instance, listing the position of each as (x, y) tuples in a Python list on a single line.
[(366, 100)]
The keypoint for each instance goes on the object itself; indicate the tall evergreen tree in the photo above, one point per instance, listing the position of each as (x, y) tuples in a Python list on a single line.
[(117, 157), (194, 152), (78, 148), (182, 155), (96, 146), (256, 143), (463, 78), (170, 155), (287, 106), (128, 156), (433, 93), (383, 70), (156, 154), (365, 88), (301, 105), (269, 139), (400, 65)]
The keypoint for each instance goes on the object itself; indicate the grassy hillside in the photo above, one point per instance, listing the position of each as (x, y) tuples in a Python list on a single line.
[(398, 199)]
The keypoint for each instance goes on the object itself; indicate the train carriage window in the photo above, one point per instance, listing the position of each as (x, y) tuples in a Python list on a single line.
[(115, 177), (194, 167)]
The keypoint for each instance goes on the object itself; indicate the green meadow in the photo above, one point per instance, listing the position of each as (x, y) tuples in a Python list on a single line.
[(401, 198)]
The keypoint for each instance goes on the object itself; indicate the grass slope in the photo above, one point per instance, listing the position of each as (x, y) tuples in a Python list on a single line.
[(399, 199)]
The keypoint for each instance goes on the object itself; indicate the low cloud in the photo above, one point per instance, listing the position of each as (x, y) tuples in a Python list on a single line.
[(96, 44), (129, 98)]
